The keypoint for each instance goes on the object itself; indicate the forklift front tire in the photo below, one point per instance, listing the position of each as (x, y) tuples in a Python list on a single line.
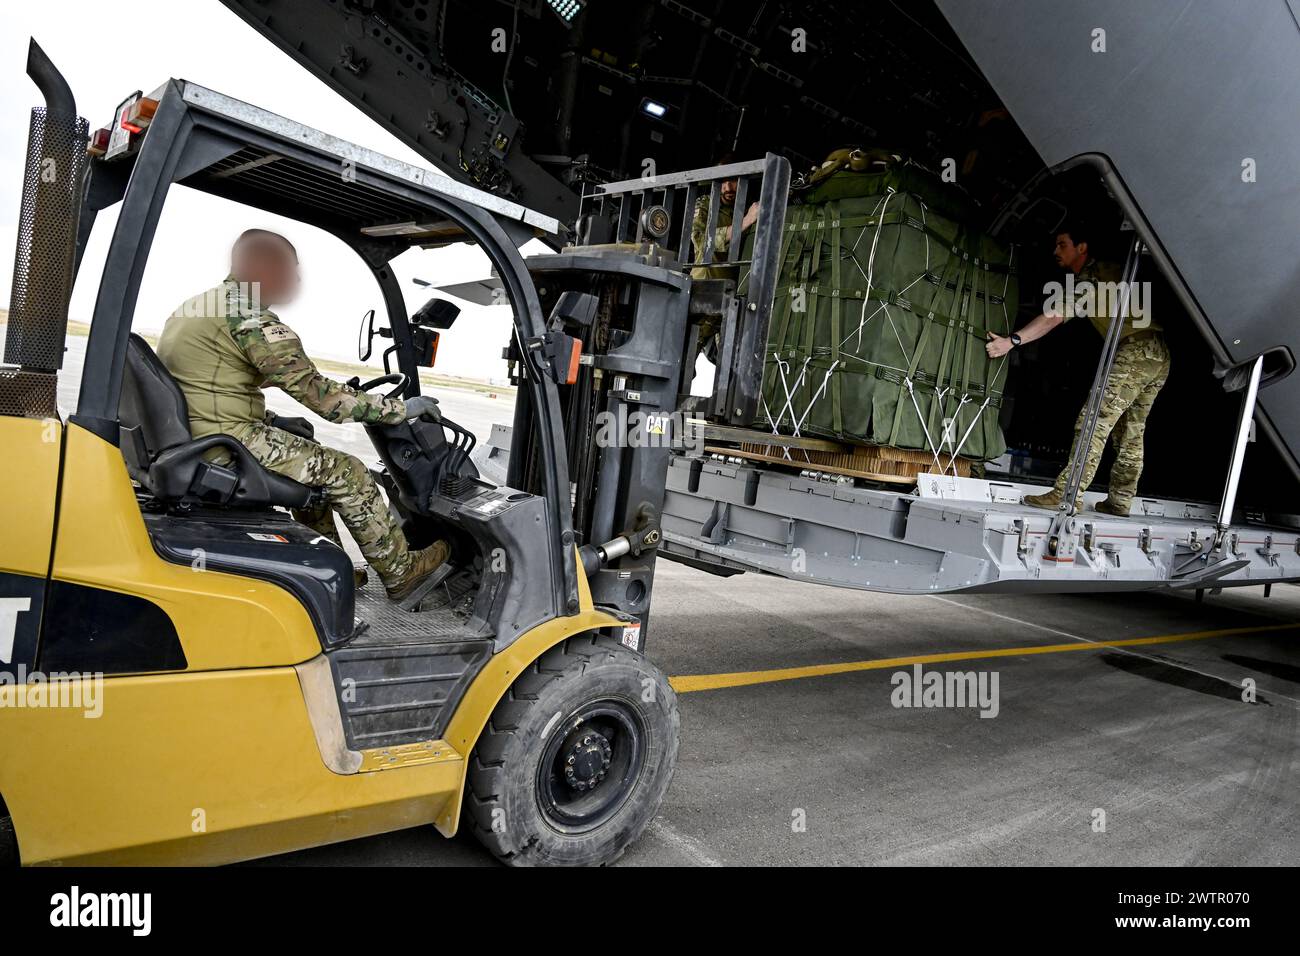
[(576, 758)]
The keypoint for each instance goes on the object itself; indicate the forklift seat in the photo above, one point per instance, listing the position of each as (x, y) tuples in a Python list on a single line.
[(169, 462)]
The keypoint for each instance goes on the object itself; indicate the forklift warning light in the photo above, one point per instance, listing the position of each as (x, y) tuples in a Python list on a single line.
[(557, 355), (137, 117), (575, 359), (131, 118), (98, 144)]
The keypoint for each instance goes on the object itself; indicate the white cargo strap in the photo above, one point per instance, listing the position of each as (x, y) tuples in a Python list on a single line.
[(921, 418), (821, 390), (969, 428), (881, 207), (947, 437), (926, 233), (863, 318), (988, 397), (892, 368), (782, 367), (965, 398), (772, 422), (796, 419)]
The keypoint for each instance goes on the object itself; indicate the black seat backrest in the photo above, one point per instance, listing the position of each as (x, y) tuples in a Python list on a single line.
[(162, 455), (152, 408)]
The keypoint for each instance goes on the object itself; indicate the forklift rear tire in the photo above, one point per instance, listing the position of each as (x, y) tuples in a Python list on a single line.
[(576, 758)]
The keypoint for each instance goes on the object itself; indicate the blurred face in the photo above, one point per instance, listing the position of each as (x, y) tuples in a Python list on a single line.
[(1069, 255), (272, 267), (728, 191)]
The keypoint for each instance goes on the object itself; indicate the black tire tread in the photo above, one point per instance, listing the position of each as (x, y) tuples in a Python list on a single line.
[(485, 779)]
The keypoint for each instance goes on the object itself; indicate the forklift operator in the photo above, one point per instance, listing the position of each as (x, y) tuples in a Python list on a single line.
[(1140, 370), (223, 346)]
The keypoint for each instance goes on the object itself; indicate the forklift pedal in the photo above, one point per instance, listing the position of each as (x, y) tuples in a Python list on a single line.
[(422, 590)]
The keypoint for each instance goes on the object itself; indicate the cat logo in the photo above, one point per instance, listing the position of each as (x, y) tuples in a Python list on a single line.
[(10, 608)]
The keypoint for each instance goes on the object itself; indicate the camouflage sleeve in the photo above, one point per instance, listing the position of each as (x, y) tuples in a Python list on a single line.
[(700, 227), (276, 352)]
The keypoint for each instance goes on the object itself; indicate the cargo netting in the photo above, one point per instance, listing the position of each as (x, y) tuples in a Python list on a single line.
[(881, 315)]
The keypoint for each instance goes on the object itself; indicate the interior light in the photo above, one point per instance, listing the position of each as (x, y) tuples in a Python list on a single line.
[(566, 10)]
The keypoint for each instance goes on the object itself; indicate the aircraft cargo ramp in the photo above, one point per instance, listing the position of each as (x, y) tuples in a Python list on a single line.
[(955, 534)]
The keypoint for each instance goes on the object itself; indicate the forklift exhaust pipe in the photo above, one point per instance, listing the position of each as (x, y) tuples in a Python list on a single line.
[(44, 260), (54, 88)]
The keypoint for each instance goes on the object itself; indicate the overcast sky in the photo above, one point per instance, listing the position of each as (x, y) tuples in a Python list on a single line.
[(109, 50)]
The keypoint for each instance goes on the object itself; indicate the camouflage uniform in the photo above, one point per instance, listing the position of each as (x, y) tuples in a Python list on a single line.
[(721, 239), (1140, 371), (721, 242), (223, 350)]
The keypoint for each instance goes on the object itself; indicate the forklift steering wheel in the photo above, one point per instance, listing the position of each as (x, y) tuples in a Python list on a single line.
[(398, 378)]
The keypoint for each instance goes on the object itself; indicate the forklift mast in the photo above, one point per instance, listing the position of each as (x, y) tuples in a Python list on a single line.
[(625, 410)]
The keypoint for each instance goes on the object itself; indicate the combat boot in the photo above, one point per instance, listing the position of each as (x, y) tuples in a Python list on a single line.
[(1051, 500), (423, 564), (1108, 507)]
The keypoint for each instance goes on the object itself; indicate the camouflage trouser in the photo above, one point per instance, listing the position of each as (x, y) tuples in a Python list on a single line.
[(349, 491), (1140, 370)]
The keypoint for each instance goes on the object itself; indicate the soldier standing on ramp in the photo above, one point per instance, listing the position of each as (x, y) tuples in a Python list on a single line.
[(223, 346), (1140, 371)]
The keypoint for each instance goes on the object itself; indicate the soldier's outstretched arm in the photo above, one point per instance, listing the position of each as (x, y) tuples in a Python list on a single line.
[(999, 345), (276, 352)]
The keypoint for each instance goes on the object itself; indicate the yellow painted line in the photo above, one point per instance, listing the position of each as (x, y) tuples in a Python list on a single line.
[(687, 683)]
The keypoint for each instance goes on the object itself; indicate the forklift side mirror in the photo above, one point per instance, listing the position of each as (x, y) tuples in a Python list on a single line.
[(366, 335)]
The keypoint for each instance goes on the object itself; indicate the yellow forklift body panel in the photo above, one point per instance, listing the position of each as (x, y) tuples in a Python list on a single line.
[(219, 762), (28, 488), (195, 769), (223, 620)]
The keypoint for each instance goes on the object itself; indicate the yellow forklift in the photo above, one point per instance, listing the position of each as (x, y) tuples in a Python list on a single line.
[(188, 675)]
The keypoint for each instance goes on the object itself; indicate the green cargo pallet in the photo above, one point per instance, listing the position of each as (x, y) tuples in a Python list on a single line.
[(880, 317)]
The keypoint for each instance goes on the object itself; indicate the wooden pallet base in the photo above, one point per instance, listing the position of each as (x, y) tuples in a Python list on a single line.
[(793, 463), (872, 462)]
